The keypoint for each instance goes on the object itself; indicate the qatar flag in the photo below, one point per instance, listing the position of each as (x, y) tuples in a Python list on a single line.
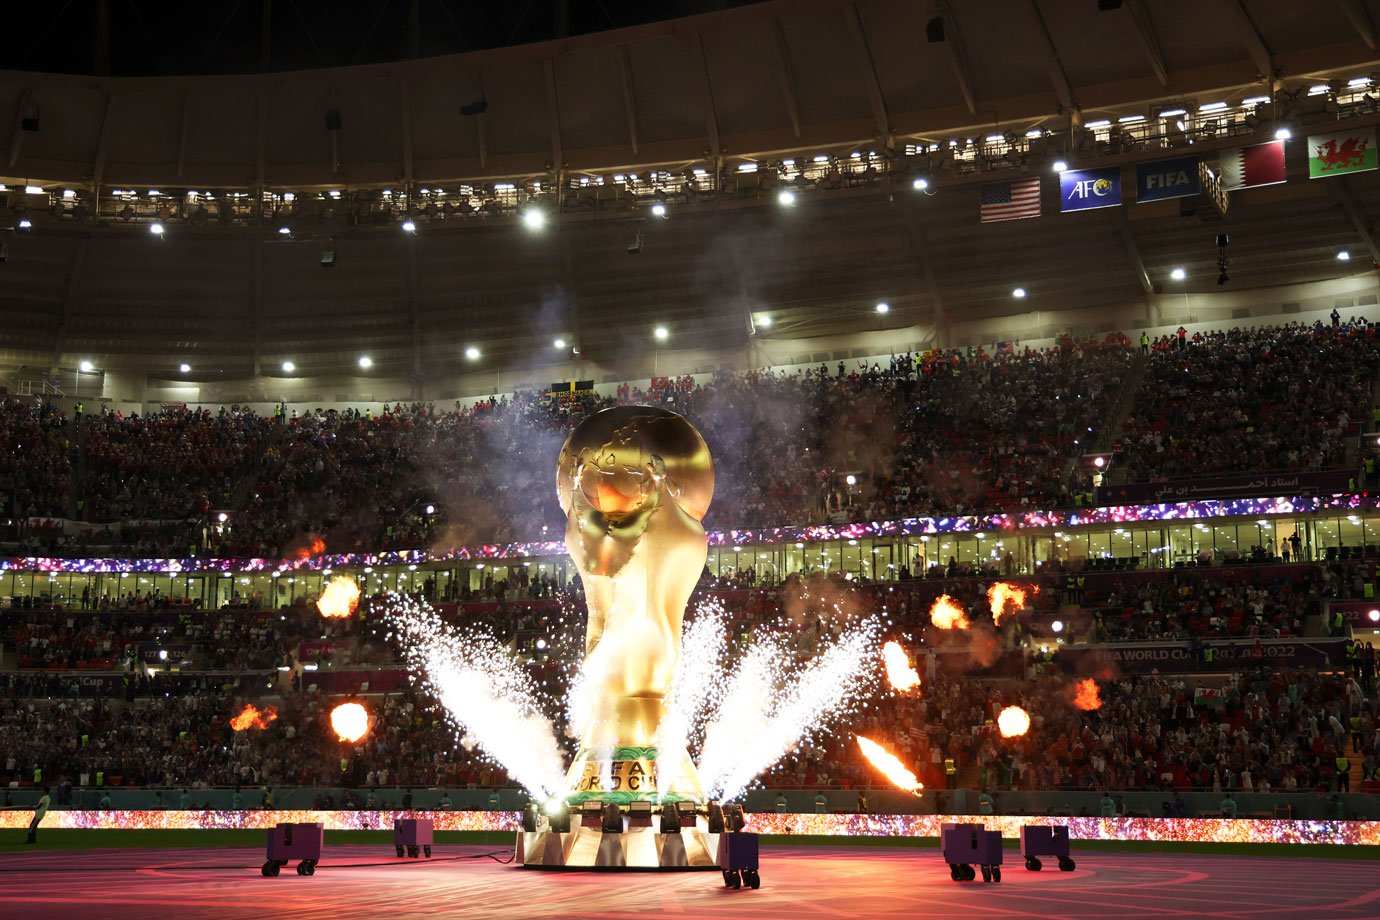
[(1247, 167)]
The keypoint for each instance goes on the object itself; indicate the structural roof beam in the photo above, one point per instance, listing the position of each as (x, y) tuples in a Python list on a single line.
[(1062, 88), (875, 98), (1250, 36), (957, 56), (1149, 42), (1356, 14)]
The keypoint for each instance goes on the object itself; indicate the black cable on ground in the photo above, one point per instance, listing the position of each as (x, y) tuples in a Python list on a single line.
[(88, 869)]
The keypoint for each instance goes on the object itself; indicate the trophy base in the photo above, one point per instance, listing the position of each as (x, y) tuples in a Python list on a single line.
[(636, 848)]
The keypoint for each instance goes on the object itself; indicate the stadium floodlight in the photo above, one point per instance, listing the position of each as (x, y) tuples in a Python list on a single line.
[(883, 307), (24, 224), (1018, 293), (659, 210), (661, 333), (1057, 626), (1060, 165), (285, 230), (920, 183), (409, 226), (156, 228), (559, 343), (366, 362), (87, 367), (533, 218), (1344, 256), (1178, 274), (786, 198), (472, 353), (764, 320), (1282, 133), (185, 368), (289, 367)]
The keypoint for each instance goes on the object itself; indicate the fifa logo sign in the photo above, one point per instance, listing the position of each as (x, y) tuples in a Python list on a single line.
[(1169, 180)]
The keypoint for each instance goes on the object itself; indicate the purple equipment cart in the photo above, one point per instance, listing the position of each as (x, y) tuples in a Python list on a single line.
[(413, 835), (968, 845), (1038, 840), (738, 859), (287, 842)]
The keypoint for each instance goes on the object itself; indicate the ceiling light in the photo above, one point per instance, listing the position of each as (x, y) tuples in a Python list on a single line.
[(1178, 274), (1099, 123), (786, 198), (1255, 100), (408, 226), (661, 333), (1282, 133), (1130, 119), (1317, 89), (658, 210), (1035, 132), (1170, 113), (86, 367), (920, 184), (289, 367), (156, 228), (25, 224), (184, 367), (560, 343), (285, 230), (366, 362), (1212, 107), (1018, 292), (883, 307), (33, 190), (472, 353), (1358, 81), (1343, 256), (1060, 166), (533, 218), (764, 321)]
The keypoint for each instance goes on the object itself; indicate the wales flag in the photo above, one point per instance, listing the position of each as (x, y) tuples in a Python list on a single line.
[(1341, 153)]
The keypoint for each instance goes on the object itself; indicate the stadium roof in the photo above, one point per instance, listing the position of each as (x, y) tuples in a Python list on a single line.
[(748, 88)]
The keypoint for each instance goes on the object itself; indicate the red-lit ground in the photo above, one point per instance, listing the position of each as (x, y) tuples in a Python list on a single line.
[(796, 882)]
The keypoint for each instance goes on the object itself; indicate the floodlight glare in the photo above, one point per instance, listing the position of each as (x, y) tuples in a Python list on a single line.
[(366, 362)]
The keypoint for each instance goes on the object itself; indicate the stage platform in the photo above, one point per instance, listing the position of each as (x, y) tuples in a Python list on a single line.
[(797, 881)]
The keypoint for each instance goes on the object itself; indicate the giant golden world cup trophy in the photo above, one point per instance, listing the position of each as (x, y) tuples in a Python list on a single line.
[(634, 483)]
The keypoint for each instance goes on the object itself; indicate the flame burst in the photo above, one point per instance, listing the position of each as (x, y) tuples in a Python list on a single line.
[(1086, 695), (899, 673), (1013, 721), (314, 546), (350, 721), (889, 765), (1005, 599), (948, 614), (252, 717), (340, 598)]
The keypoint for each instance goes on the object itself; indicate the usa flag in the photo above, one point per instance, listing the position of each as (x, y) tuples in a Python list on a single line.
[(1011, 200)]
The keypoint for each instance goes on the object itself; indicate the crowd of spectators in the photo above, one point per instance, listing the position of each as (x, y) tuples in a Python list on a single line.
[(1251, 400), (939, 432)]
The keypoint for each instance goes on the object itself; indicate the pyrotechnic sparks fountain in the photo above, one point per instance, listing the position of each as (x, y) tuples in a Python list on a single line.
[(634, 483)]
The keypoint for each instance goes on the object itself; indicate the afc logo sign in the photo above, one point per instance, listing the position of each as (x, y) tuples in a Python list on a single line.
[(1090, 188)]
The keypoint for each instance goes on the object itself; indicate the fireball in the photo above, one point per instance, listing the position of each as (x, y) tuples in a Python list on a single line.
[(340, 597), (252, 717), (350, 721), (1005, 598), (947, 614), (313, 547), (889, 765), (1013, 721), (1086, 695), (899, 673)]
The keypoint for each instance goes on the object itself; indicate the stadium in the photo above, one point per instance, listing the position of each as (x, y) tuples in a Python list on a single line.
[(503, 457)]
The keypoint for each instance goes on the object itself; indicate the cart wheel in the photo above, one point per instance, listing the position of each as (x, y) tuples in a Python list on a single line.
[(754, 880), (996, 874), (427, 851), (953, 872), (301, 868), (400, 852), (987, 873), (727, 883), (269, 869), (1033, 864), (311, 867), (735, 880), (1066, 865), (970, 873)]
